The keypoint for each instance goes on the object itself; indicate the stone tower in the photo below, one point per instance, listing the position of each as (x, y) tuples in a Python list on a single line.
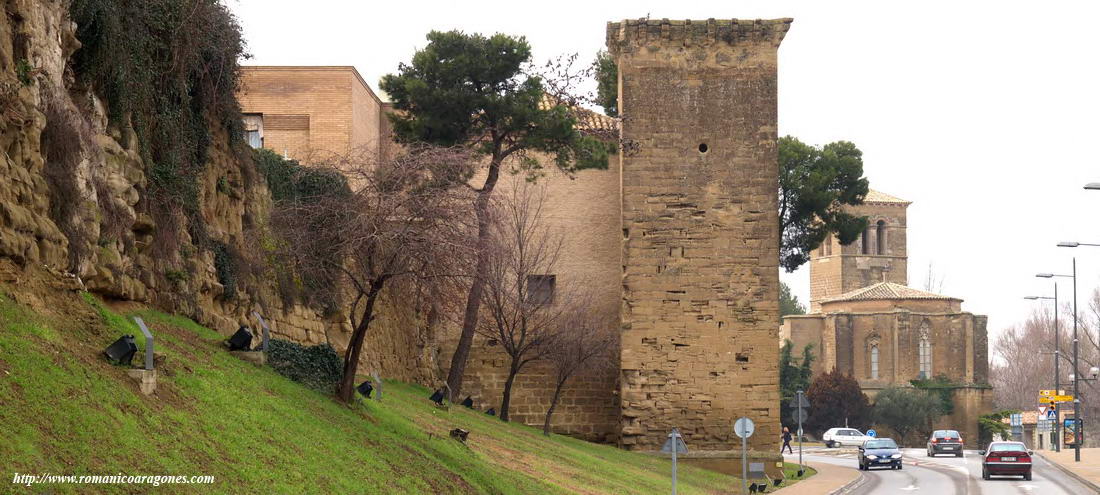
[(700, 230), (879, 255)]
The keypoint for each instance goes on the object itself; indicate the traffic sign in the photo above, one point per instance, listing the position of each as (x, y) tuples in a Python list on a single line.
[(872, 433), (1048, 392), (1055, 398), (1052, 414), (800, 415), (799, 401), (744, 427), (675, 440)]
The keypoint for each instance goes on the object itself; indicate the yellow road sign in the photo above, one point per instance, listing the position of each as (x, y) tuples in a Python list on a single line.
[(1056, 398), (1048, 393)]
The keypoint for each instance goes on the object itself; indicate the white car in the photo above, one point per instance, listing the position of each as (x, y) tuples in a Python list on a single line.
[(837, 437)]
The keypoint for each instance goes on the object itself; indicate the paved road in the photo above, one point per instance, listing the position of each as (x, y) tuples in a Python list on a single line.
[(945, 475)]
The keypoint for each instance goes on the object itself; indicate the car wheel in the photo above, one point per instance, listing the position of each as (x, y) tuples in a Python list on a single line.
[(828, 444), (899, 466), (960, 454), (1027, 476), (928, 453), (985, 474)]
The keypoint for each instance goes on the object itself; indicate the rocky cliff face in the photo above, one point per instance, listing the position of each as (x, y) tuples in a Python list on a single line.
[(74, 204)]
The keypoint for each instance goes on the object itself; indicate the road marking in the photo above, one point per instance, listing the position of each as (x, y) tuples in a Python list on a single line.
[(1028, 487), (911, 488)]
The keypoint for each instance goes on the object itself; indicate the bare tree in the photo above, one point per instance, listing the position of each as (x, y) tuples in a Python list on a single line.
[(522, 295), (401, 219), (582, 339), (933, 282), (1023, 363)]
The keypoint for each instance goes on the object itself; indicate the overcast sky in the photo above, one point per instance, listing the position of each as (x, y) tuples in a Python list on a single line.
[(983, 114)]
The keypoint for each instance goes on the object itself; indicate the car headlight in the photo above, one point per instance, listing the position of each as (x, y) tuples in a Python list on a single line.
[(896, 456), (872, 457)]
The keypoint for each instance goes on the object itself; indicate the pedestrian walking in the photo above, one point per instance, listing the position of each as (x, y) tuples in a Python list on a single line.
[(786, 441)]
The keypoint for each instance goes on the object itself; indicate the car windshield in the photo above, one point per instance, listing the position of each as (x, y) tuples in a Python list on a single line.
[(883, 443), (1007, 447)]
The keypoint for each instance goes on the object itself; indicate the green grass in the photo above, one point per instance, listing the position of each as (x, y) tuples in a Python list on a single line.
[(64, 410)]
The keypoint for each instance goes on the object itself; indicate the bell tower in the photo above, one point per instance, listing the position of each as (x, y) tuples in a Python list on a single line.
[(700, 252), (879, 255)]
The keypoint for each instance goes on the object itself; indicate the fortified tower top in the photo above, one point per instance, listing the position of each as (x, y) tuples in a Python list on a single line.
[(631, 36)]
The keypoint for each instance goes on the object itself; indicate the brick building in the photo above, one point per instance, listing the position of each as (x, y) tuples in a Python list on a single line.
[(866, 322), (303, 111), (679, 240)]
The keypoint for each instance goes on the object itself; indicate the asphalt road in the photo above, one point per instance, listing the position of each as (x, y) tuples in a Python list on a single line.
[(945, 475)]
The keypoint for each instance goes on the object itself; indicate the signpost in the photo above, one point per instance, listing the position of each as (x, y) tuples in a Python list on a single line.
[(744, 428), (674, 444), (801, 408), (1055, 398)]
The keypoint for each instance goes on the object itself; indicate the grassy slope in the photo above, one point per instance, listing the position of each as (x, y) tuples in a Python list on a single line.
[(63, 410)]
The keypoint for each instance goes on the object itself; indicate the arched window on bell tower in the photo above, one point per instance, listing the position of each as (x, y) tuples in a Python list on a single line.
[(874, 362), (865, 241), (880, 237)]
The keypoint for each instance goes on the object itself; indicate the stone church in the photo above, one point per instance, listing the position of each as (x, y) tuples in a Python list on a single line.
[(679, 240), (865, 321)]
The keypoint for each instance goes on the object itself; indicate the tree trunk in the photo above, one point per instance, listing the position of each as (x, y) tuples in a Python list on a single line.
[(355, 346), (512, 372), (550, 411), (473, 299)]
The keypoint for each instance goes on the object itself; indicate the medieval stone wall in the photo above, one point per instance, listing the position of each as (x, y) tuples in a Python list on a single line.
[(700, 249)]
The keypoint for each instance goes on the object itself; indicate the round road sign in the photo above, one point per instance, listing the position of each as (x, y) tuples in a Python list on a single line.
[(872, 433), (744, 427)]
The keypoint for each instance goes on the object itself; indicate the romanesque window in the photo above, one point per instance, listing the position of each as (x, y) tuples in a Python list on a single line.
[(874, 362), (880, 237), (865, 241), (540, 289), (925, 352), (254, 129), (828, 244)]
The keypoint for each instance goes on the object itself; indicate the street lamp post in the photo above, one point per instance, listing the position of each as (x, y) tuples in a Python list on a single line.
[(1093, 186), (1057, 375), (1077, 419)]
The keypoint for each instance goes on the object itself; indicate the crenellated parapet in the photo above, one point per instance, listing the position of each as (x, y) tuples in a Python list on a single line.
[(633, 35)]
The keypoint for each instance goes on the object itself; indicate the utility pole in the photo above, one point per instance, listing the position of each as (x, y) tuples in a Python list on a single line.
[(1057, 357), (1077, 419)]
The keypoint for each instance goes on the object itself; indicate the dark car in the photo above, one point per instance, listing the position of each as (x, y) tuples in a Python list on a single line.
[(879, 452), (945, 442), (1006, 459)]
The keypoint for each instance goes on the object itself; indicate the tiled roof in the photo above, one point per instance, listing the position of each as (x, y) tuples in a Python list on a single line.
[(887, 290), (874, 196), (587, 120)]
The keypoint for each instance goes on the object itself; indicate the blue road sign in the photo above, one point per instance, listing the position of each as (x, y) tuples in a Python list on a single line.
[(872, 433)]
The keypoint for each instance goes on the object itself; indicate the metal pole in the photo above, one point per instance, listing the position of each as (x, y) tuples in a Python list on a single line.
[(675, 444), (744, 466), (798, 411), (1057, 357), (1077, 419)]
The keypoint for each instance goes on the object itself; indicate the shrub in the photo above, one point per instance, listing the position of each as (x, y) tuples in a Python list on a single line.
[(908, 411), (836, 400), (318, 367), (169, 69)]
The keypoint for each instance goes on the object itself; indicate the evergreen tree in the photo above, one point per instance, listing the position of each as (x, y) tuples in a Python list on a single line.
[(792, 378), (471, 90)]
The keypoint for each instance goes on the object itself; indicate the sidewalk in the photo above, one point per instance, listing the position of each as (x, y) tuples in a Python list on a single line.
[(1086, 471), (829, 478)]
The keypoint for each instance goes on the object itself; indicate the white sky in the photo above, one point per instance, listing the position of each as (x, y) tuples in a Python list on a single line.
[(981, 113)]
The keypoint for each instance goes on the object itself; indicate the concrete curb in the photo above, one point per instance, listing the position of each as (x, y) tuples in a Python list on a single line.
[(850, 485), (1068, 471)]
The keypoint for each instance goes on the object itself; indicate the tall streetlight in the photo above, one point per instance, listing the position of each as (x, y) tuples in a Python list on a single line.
[(1057, 355), (1093, 186), (1077, 419)]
